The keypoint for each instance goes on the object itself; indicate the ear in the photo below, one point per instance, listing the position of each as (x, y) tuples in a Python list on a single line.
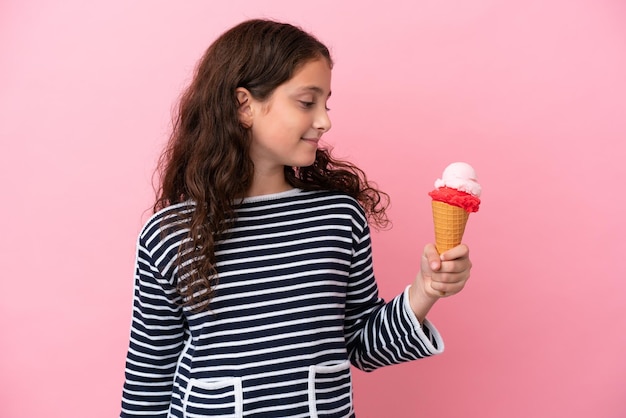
[(245, 106)]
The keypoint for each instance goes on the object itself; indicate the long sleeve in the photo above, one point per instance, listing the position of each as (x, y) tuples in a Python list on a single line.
[(157, 333), (378, 333)]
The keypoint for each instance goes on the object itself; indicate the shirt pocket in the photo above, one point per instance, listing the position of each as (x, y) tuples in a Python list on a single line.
[(330, 390), (214, 398)]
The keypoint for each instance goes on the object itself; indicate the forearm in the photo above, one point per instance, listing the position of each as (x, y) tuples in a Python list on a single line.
[(392, 335)]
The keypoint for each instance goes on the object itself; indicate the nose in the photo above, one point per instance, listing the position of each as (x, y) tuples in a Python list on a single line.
[(322, 121)]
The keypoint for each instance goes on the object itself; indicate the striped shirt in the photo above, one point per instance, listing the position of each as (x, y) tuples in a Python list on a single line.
[(295, 305)]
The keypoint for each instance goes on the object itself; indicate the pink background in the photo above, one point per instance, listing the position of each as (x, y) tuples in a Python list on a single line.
[(532, 93)]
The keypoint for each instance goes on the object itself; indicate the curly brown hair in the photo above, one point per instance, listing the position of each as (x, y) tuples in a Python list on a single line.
[(207, 159)]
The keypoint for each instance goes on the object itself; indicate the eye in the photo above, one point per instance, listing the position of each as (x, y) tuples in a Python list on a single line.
[(309, 105)]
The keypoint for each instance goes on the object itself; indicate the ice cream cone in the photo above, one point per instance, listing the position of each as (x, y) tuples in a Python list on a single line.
[(449, 223)]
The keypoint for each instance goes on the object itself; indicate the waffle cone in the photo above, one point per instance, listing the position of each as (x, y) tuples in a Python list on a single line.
[(449, 225)]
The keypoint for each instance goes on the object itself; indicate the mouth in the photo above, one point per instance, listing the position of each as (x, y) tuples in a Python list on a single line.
[(313, 141)]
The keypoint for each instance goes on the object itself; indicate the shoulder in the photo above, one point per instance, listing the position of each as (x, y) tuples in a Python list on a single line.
[(331, 198), (337, 203), (169, 221), (342, 200)]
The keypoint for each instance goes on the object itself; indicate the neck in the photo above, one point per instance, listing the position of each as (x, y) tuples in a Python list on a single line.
[(268, 182)]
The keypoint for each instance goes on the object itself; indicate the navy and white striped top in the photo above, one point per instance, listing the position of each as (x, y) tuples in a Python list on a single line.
[(295, 305)]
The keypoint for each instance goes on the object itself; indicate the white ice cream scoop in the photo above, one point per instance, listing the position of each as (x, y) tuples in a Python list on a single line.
[(460, 176)]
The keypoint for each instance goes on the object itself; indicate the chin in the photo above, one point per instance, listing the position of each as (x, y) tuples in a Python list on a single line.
[(308, 163), (305, 162)]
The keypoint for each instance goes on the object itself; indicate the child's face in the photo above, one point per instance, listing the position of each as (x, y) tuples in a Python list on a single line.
[(286, 128)]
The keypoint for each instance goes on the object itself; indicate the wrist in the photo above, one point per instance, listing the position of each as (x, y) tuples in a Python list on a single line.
[(420, 302)]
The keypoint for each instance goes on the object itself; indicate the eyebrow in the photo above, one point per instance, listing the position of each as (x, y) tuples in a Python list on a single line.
[(316, 90)]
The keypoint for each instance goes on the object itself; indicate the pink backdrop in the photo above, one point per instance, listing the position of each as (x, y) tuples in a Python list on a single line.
[(531, 93)]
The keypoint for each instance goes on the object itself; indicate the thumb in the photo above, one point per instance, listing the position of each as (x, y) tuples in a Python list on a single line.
[(432, 257)]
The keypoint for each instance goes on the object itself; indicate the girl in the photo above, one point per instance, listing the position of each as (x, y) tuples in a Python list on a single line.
[(254, 287)]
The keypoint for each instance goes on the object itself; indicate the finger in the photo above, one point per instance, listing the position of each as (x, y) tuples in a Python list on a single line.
[(457, 266), (453, 272), (460, 251), (443, 289), (448, 279), (446, 289)]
